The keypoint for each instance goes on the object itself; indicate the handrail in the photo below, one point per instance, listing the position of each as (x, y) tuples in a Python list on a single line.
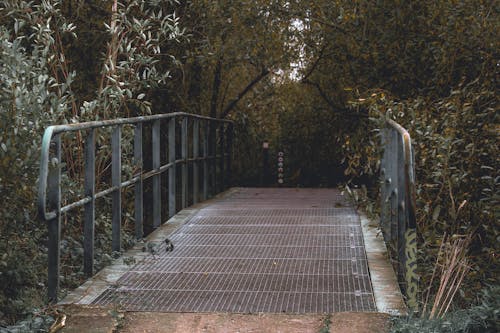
[(398, 205), (213, 135)]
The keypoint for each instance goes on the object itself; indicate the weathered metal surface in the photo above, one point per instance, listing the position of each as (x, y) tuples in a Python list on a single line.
[(138, 188), (196, 165), (259, 250), (398, 205), (171, 171), (49, 196), (89, 208), (54, 224), (116, 165)]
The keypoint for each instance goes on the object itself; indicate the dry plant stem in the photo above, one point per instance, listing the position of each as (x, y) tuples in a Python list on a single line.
[(462, 268), (462, 276), (433, 274), (452, 274), (443, 282)]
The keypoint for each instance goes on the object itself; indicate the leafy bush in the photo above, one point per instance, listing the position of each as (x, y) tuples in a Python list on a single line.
[(482, 318), (36, 91), (30, 98), (445, 93)]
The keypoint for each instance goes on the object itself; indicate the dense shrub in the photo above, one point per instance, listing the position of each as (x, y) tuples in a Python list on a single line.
[(30, 99), (36, 91), (481, 318)]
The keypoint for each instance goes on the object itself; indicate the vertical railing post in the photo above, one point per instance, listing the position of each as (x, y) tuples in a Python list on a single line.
[(385, 170), (54, 225), (410, 234), (222, 157), (157, 177), (116, 180), (402, 212), (184, 152), (206, 176), (89, 208), (394, 187), (196, 153), (213, 161), (230, 135), (172, 169), (398, 206), (138, 200)]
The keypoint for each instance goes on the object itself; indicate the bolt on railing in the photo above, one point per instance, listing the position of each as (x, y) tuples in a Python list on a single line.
[(398, 205), (204, 168)]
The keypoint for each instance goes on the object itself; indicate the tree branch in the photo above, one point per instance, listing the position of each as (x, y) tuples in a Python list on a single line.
[(216, 88), (315, 64), (235, 101), (336, 108)]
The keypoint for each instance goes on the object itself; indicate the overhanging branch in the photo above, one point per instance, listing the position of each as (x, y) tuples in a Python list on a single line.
[(235, 101), (336, 108)]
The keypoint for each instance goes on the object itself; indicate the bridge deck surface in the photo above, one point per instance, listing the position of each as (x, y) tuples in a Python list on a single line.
[(256, 250)]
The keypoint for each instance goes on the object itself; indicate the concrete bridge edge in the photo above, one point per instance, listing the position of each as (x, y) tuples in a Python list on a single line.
[(388, 296)]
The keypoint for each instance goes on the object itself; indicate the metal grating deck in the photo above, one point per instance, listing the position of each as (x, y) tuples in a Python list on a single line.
[(257, 250)]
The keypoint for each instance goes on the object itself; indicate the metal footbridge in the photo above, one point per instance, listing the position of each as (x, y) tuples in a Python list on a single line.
[(245, 250)]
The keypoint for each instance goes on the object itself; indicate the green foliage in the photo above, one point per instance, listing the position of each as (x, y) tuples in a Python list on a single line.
[(305, 75), (456, 171), (36, 79), (138, 29), (431, 66), (482, 318), (30, 98)]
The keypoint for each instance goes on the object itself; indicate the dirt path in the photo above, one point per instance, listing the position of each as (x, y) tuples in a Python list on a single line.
[(99, 320)]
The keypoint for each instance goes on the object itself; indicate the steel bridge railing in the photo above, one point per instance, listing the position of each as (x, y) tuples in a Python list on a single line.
[(398, 205), (213, 136)]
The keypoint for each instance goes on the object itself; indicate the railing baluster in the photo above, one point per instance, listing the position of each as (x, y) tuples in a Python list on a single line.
[(89, 208), (229, 154), (116, 180), (206, 176), (398, 206), (184, 152), (54, 225), (213, 164), (157, 177), (385, 169), (402, 218), (172, 169), (394, 187), (138, 200), (222, 157), (205, 154), (196, 153)]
